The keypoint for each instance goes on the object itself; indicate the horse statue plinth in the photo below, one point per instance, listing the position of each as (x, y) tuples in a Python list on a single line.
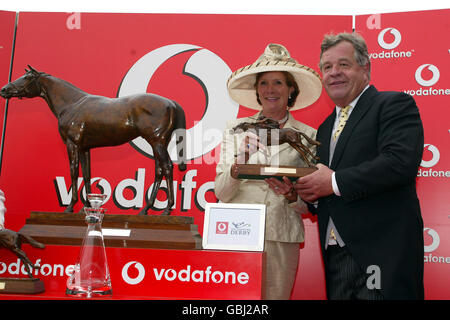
[(270, 133), (88, 121), (12, 241)]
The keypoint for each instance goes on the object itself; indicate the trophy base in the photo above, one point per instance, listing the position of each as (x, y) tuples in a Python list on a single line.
[(121, 231), (263, 171), (21, 285)]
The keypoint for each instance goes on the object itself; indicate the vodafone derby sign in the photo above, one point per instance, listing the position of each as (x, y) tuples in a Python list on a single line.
[(152, 273)]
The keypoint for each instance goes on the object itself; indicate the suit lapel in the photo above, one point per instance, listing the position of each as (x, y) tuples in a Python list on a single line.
[(363, 105)]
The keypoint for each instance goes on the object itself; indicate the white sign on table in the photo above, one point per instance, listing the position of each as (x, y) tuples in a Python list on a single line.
[(234, 226)]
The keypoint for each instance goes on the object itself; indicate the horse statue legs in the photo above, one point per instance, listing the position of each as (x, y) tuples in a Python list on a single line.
[(163, 168), (75, 158)]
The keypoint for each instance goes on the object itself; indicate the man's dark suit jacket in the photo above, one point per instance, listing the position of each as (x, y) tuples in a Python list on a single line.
[(378, 216)]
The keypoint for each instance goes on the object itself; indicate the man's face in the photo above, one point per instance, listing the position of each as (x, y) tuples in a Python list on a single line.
[(342, 77)]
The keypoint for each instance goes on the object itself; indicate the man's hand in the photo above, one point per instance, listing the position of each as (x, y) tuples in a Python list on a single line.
[(315, 185)]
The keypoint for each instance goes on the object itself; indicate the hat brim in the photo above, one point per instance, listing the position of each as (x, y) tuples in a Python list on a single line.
[(241, 83)]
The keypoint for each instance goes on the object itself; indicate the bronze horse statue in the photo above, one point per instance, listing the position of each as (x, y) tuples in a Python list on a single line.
[(12, 241), (88, 121), (279, 136)]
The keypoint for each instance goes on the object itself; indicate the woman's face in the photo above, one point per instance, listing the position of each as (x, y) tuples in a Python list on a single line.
[(273, 91)]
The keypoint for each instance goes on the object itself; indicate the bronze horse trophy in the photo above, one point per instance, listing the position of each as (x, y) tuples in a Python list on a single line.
[(88, 121), (279, 136), (12, 241)]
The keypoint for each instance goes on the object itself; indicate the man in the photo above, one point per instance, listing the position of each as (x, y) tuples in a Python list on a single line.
[(364, 193)]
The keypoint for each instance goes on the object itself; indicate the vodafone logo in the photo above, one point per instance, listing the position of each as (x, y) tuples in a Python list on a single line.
[(394, 44), (221, 227), (187, 274), (434, 159), (427, 170), (434, 78), (431, 257), (435, 240), (211, 72), (389, 43), (141, 273), (427, 75)]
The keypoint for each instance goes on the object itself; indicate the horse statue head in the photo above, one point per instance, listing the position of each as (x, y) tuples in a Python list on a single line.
[(263, 128), (26, 86), (261, 123)]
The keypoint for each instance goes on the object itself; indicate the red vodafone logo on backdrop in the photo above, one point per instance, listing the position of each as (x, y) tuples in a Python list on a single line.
[(427, 75), (435, 156), (389, 39), (391, 45), (435, 240), (431, 157), (434, 253), (135, 279), (435, 74), (211, 72)]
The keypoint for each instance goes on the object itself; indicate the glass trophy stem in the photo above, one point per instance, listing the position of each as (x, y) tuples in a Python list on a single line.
[(90, 276)]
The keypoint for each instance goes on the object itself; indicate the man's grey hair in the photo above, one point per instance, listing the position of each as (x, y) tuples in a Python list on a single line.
[(357, 41)]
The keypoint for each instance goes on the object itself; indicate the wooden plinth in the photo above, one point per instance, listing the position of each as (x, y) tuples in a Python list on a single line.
[(262, 171), (21, 285), (122, 231)]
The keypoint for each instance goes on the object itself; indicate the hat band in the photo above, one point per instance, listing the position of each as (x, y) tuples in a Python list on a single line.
[(273, 63)]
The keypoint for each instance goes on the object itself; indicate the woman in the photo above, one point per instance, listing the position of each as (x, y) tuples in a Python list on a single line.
[(275, 84)]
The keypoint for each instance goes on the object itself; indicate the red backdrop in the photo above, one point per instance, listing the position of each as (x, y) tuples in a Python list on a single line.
[(192, 56), (6, 48), (408, 56)]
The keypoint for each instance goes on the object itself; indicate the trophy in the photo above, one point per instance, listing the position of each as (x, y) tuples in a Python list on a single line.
[(270, 133), (90, 276)]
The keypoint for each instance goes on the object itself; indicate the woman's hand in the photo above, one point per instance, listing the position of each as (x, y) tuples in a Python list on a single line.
[(284, 188), (249, 145)]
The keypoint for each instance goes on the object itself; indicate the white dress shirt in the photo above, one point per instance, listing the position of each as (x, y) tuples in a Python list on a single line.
[(2, 209)]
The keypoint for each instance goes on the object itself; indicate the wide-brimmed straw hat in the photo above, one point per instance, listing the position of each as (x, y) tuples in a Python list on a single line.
[(275, 58)]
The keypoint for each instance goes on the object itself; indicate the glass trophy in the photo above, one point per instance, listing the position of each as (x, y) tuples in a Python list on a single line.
[(90, 276)]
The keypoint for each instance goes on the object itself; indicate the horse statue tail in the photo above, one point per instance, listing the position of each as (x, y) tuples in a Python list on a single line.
[(31, 241), (180, 136)]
